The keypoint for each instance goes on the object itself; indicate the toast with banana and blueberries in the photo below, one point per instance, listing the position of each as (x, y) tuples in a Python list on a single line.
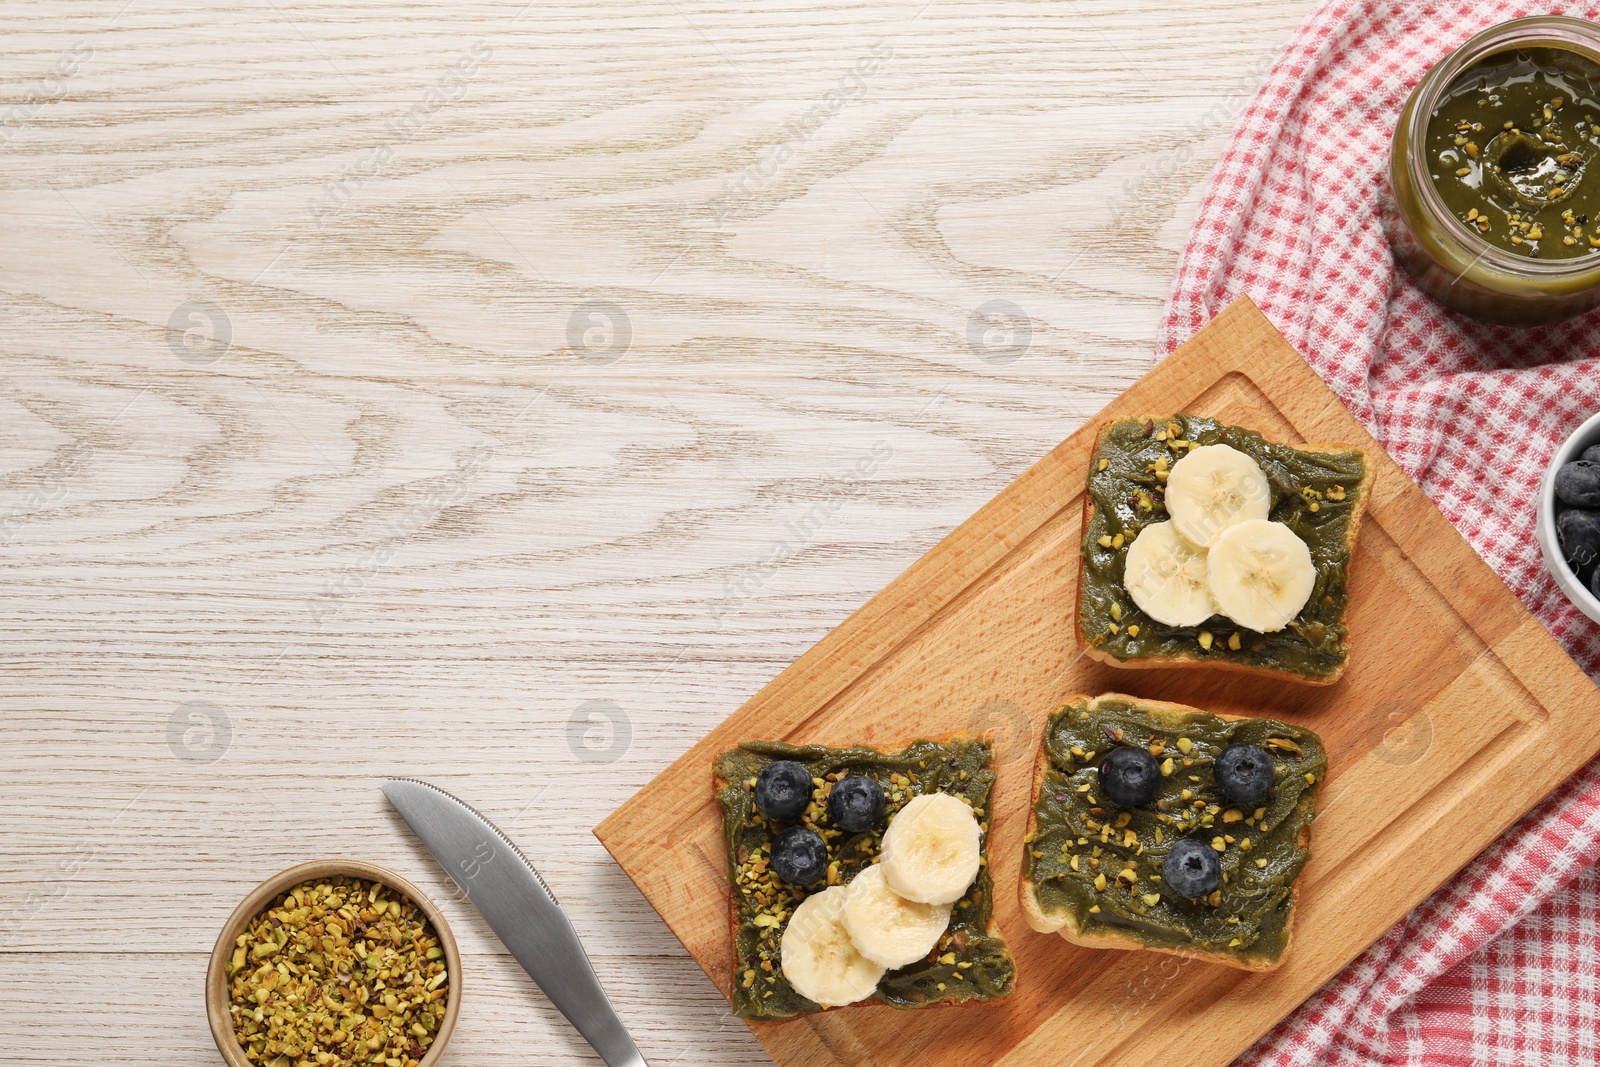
[(861, 874)]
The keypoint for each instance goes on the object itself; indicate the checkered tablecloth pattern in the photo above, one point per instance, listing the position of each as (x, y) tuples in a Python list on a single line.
[(1501, 965)]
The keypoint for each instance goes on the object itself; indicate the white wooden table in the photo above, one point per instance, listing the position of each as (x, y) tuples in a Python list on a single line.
[(501, 394)]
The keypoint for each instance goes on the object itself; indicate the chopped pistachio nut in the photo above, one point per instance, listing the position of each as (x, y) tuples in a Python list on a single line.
[(338, 971)]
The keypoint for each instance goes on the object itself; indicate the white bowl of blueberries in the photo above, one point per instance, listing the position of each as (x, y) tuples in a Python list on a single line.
[(1569, 517)]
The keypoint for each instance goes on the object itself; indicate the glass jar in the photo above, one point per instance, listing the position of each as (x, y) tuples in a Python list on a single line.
[(1450, 260)]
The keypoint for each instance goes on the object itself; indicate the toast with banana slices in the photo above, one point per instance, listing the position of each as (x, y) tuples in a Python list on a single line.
[(1206, 545), (860, 874)]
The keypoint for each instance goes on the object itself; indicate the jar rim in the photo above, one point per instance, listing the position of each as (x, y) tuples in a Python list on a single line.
[(1563, 32)]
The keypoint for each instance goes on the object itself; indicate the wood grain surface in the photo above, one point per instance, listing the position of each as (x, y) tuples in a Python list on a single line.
[(1457, 713), (327, 452)]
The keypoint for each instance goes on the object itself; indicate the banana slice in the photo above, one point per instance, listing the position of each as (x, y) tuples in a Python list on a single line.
[(887, 928), (1165, 574), (1212, 488), (819, 958), (1260, 574), (930, 851)]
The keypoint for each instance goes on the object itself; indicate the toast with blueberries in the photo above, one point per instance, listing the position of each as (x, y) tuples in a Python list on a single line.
[(860, 874), (1207, 545), (1163, 827)]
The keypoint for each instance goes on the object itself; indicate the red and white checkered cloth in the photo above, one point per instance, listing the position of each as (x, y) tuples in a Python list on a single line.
[(1501, 965)]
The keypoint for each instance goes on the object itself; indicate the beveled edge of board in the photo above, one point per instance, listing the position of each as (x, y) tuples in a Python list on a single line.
[(908, 604)]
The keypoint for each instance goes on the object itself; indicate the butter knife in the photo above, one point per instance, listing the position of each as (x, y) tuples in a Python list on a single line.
[(519, 907)]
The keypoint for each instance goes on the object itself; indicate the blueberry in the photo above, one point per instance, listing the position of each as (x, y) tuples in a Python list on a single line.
[(800, 856), (856, 804), (1578, 484), (1591, 454), (1579, 533), (1130, 777), (783, 789), (1244, 774), (1191, 869)]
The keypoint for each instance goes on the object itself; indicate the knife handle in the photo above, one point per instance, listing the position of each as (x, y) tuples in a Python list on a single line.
[(584, 1002), (548, 948)]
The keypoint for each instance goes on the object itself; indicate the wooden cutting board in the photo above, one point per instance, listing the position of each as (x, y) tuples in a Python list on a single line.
[(1457, 714)]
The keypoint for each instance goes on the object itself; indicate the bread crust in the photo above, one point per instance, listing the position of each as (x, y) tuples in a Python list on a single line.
[(1170, 716), (720, 783), (1148, 663)]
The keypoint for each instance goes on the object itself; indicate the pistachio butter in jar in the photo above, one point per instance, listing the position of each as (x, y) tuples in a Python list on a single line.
[(1496, 189)]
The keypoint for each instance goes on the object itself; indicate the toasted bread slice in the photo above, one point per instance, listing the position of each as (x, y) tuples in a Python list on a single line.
[(954, 993), (1165, 716), (1215, 659)]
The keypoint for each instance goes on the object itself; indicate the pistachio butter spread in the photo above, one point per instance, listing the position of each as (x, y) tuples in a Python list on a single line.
[(1102, 863), (1509, 146), (967, 963), (1315, 494)]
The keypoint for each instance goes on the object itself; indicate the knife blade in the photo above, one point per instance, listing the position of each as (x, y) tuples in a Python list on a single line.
[(514, 900)]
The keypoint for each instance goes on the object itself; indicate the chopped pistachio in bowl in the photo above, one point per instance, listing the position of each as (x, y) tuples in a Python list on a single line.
[(334, 963)]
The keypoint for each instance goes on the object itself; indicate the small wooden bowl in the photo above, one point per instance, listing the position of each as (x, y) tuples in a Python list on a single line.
[(265, 893)]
